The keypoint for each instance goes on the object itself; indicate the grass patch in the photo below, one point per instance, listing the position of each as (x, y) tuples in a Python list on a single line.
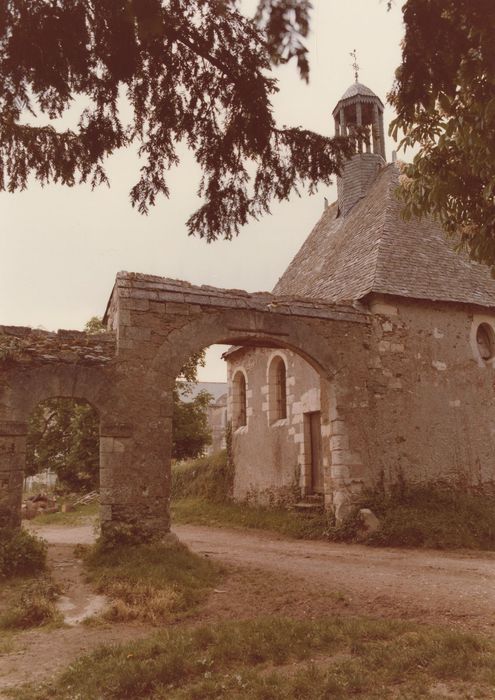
[(150, 582), (32, 605), (276, 658), (432, 515), (81, 515), (196, 511)]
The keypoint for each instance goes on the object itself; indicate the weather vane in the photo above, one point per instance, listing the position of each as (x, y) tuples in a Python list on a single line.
[(355, 65)]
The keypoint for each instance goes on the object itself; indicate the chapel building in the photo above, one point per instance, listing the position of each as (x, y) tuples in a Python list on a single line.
[(427, 397)]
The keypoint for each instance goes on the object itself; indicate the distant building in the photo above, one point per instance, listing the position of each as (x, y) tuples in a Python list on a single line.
[(217, 412)]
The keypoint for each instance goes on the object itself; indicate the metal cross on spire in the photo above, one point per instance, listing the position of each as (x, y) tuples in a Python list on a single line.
[(355, 64)]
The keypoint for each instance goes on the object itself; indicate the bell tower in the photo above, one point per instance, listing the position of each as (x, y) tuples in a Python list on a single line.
[(359, 113)]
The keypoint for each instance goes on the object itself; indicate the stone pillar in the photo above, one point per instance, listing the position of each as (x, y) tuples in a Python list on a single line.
[(12, 460), (337, 127), (135, 456), (344, 478)]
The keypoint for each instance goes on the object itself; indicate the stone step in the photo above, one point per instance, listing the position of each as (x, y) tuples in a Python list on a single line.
[(309, 506)]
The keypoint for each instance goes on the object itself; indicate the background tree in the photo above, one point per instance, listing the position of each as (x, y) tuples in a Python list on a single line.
[(195, 71), (63, 434), (190, 429), (444, 95)]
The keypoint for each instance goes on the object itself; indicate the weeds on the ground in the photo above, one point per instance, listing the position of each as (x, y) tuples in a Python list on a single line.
[(276, 658), (151, 582), (21, 553), (201, 512), (33, 605), (437, 515)]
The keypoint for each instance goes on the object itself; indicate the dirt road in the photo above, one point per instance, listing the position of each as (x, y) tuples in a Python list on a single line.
[(267, 574), (428, 585)]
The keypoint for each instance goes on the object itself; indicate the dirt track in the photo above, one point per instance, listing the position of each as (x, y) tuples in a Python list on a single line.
[(268, 574)]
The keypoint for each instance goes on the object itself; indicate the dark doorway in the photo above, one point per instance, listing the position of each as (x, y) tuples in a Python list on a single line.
[(313, 433)]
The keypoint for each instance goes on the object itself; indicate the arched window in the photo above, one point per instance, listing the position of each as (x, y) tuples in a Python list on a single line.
[(277, 381), (485, 340), (239, 407)]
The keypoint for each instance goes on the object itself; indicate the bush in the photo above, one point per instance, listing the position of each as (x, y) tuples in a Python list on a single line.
[(21, 554), (433, 515), (210, 478)]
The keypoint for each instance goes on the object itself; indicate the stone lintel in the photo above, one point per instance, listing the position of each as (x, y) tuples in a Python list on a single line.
[(116, 430), (9, 428)]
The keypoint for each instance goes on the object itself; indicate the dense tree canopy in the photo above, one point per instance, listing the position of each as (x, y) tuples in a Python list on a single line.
[(445, 101), (198, 71), (194, 71)]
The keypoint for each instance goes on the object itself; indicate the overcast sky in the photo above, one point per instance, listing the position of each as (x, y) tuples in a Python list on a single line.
[(60, 248)]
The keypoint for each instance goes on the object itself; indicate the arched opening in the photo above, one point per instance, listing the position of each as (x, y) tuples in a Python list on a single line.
[(485, 340), (277, 389), (62, 467), (279, 412), (239, 400)]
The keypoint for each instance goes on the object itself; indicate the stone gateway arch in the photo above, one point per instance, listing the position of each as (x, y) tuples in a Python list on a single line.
[(398, 327), (127, 374)]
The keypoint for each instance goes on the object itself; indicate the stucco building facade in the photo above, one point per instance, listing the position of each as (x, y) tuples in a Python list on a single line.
[(426, 404)]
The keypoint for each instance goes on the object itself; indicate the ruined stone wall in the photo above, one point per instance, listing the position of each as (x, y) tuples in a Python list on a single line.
[(431, 396), (36, 365), (271, 456)]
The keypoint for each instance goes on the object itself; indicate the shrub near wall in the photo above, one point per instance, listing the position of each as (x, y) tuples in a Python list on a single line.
[(210, 478), (437, 515), (21, 554)]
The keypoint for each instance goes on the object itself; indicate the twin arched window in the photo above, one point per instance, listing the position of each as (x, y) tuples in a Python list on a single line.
[(277, 394), (277, 389)]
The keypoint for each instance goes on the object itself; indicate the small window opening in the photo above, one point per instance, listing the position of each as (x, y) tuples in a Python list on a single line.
[(486, 341), (239, 417), (278, 390)]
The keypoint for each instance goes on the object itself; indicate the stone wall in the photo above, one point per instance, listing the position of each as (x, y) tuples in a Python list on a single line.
[(431, 396)]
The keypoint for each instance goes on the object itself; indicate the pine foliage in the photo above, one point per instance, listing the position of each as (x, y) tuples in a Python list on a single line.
[(190, 71)]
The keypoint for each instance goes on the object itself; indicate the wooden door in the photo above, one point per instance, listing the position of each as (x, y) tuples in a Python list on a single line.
[(315, 450)]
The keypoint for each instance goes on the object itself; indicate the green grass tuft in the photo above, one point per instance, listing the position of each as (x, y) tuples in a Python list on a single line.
[(150, 582), (201, 512), (32, 606), (277, 658), (207, 478), (79, 516)]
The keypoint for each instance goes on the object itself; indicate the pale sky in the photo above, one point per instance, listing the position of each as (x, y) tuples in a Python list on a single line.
[(60, 248)]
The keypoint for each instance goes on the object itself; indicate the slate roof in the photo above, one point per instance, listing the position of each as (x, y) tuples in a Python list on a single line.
[(354, 91), (373, 249), (357, 89)]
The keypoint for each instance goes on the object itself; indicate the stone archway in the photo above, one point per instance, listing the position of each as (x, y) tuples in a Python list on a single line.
[(175, 320), (128, 374)]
